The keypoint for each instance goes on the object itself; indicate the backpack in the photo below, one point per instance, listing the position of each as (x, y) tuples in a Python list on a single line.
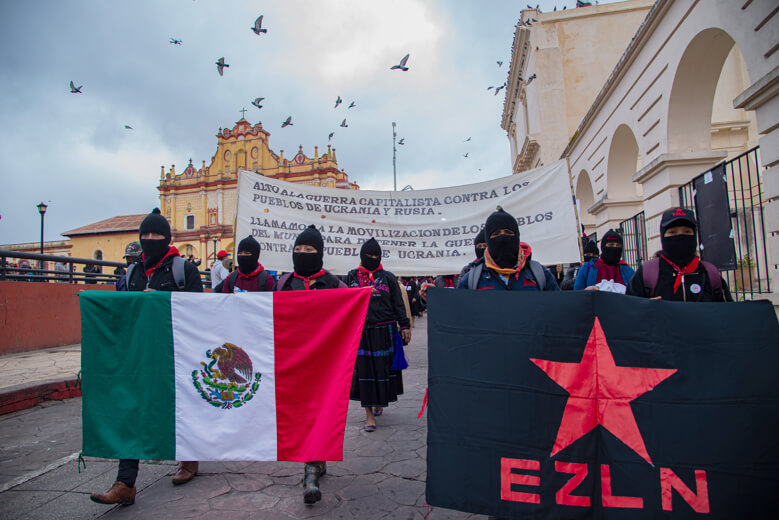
[(178, 273), (474, 275), (262, 280), (651, 273)]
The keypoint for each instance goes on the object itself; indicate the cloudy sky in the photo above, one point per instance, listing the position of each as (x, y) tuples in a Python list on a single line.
[(73, 152)]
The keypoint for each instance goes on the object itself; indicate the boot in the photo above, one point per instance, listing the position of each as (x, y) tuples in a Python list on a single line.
[(120, 493), (312, 472), (185, 472)]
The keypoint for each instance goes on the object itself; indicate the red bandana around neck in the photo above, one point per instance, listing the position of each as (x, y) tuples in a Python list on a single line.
[(171, 252), (257, 271), (307, 279), (690, 268), (365, 277)]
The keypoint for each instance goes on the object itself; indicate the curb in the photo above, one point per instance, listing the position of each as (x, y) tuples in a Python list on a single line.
[(23, 397)]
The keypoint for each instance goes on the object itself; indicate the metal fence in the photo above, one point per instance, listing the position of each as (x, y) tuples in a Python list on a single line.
[(744, 178), (633, 231), (34, 267)]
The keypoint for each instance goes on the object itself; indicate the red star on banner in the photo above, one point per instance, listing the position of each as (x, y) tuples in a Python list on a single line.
[(601, 393)]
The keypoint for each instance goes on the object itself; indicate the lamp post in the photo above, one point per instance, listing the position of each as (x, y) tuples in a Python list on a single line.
[(207, 235), (214, 248), (42, 210), (394, 150)]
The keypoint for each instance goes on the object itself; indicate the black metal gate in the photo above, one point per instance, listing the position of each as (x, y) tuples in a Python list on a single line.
[(748, 275), (633, 231)]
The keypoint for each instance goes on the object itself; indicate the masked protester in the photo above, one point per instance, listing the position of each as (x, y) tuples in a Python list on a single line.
[(309, 275), (507, 266), (590, 251), (678, 274), (609, 267), (479, 245), (132, 255), (376, 383), (160, 268), (250, 276)]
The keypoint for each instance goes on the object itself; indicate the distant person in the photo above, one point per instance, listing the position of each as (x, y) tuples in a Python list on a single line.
[(678, 274), (219, 270), (132, 255), (91, 271), (590, 252), (479, 245), (63, 273)]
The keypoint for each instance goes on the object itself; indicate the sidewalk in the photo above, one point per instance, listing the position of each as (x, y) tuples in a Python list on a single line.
[(382, 475), (29, 378)]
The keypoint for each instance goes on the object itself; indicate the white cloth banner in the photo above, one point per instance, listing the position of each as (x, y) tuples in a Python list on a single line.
[(422, 232)]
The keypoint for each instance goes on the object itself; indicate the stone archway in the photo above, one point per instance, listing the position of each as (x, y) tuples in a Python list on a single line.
[(585, 199), (622, 164), (692, 94)]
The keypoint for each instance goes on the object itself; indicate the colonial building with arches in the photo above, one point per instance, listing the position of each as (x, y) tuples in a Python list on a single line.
[(695, 86)]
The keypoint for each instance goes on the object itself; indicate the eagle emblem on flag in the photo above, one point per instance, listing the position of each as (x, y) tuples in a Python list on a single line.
[(226, 379)]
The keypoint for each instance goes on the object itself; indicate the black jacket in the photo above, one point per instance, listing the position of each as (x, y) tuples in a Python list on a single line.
[(327, 281), (570, 277), (386, 303), (162, 278), (697, 287)]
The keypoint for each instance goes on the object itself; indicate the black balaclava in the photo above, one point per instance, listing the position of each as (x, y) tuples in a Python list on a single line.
[(247, 264), (370, 247), (680, 249), (479, 240), (504, 249), (591, 251), (611, 255), (154, 249), (307, 264)]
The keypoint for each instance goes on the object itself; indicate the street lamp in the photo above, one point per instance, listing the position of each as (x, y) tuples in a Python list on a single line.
[(207, 235), (394, 151), (42, 210), (214, 248)]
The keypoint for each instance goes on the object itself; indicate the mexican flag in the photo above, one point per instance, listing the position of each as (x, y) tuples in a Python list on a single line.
[(198, 376)]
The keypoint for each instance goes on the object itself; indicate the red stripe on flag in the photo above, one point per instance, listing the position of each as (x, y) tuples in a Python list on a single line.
[(316, 338)]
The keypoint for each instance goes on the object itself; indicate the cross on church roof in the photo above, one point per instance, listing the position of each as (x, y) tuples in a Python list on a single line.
[(243, 112)]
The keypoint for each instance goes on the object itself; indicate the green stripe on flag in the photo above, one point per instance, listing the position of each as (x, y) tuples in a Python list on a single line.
[(128, 376)]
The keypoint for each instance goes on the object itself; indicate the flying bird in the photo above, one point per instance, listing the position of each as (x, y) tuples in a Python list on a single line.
[(257, 29), (490, 87), (233, 363), (74, 89), (351, 105), (330, 135), (466, 155), (402, 64), (338, 102), (220, 65), (288, 122), (257, 102), (467, 140), (500, 63), (128, 127), (343, 124), (530, 79), (175, 41), (401, 143), (498, 89)]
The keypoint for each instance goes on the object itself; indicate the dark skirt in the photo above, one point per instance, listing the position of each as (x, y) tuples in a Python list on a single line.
[(374, 383)]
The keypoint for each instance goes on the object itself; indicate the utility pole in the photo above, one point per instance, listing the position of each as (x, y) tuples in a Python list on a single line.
[(394, 152)]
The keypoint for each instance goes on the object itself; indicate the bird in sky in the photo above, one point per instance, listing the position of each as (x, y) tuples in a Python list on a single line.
[(257, 29), (128, 127), (466, 155), (499, 88), (74, 89), (490, 87), (175, 41), (401, 142), (530, 79), (351, 105), (330, 135), (467, 140), (257, 102), (402, 64), (500, 63), (288, 122), (343, 124), (220, 65), (338, 102)]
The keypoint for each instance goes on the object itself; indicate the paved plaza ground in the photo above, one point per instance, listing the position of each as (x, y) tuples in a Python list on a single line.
[(382, 474)]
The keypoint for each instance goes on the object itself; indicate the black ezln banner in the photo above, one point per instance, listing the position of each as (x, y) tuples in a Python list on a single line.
[(595, 405)]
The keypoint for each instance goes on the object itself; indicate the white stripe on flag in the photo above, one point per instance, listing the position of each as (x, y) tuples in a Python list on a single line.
[(203, 322)]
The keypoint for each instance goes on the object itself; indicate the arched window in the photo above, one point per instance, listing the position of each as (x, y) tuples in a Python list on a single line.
[(190, 221), (98, 254)]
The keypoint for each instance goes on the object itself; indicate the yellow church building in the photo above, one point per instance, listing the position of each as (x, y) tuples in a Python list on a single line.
[(200, 203)]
